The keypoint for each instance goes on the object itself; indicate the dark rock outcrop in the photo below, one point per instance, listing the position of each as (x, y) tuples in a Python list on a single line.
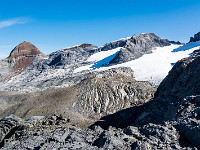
[(70, 56), (177, 100), (36, 134), (7, 125), (176, 42), (175, 91), (195, 38)]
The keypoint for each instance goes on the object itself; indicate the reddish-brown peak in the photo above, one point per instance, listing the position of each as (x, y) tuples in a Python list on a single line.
[(25, 49)]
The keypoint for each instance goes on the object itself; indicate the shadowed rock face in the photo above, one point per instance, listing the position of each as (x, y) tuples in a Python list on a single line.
[(177, 100), (181, 86), (195, 38)]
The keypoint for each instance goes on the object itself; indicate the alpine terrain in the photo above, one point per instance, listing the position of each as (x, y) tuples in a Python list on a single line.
[(140, 92)]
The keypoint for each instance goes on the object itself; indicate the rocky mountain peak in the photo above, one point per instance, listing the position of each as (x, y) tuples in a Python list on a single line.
[(195, 38), (19, 59), (146, 35), (24, 49), (138, 45)]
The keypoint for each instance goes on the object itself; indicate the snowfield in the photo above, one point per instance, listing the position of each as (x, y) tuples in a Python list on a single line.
[(152, 67), (103, 54), (100, 59), (192, 45)]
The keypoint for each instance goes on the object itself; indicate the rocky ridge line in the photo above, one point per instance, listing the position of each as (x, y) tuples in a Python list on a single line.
[(195, 38), (136, 46), (58, 69)]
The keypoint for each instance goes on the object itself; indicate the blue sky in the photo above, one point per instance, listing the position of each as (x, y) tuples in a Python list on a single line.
[(55, 24)]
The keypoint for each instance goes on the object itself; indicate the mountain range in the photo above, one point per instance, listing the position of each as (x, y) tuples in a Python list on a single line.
[(149, 56), (139, 92)]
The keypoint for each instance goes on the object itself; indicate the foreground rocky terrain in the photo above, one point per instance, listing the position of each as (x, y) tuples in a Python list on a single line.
[(169, 121)]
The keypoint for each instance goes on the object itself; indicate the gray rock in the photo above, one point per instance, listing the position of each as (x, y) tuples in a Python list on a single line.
[(7, 124), (52, 72), (172, 96), (66, 136), (137, 46), (170, 121), (113, 139), (178, 101), (110, 91)]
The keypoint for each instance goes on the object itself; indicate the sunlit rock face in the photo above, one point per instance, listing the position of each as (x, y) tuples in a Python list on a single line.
[(23, 55)]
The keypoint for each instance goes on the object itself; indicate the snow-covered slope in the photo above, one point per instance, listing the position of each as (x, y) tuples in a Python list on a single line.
[(100, 59), (191, 45), (150, 67)]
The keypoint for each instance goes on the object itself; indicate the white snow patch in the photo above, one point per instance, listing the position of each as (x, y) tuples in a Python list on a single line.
[(192, 45), (152, 67), (103, 54), (88, 67), (100, 59)]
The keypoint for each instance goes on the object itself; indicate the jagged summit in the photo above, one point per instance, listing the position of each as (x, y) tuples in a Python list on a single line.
[(150, 34), (195, 38), (24, 49), (136, 46), (123, 42)]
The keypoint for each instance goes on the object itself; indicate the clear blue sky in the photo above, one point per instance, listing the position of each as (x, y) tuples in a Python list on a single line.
[(55, 24)]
